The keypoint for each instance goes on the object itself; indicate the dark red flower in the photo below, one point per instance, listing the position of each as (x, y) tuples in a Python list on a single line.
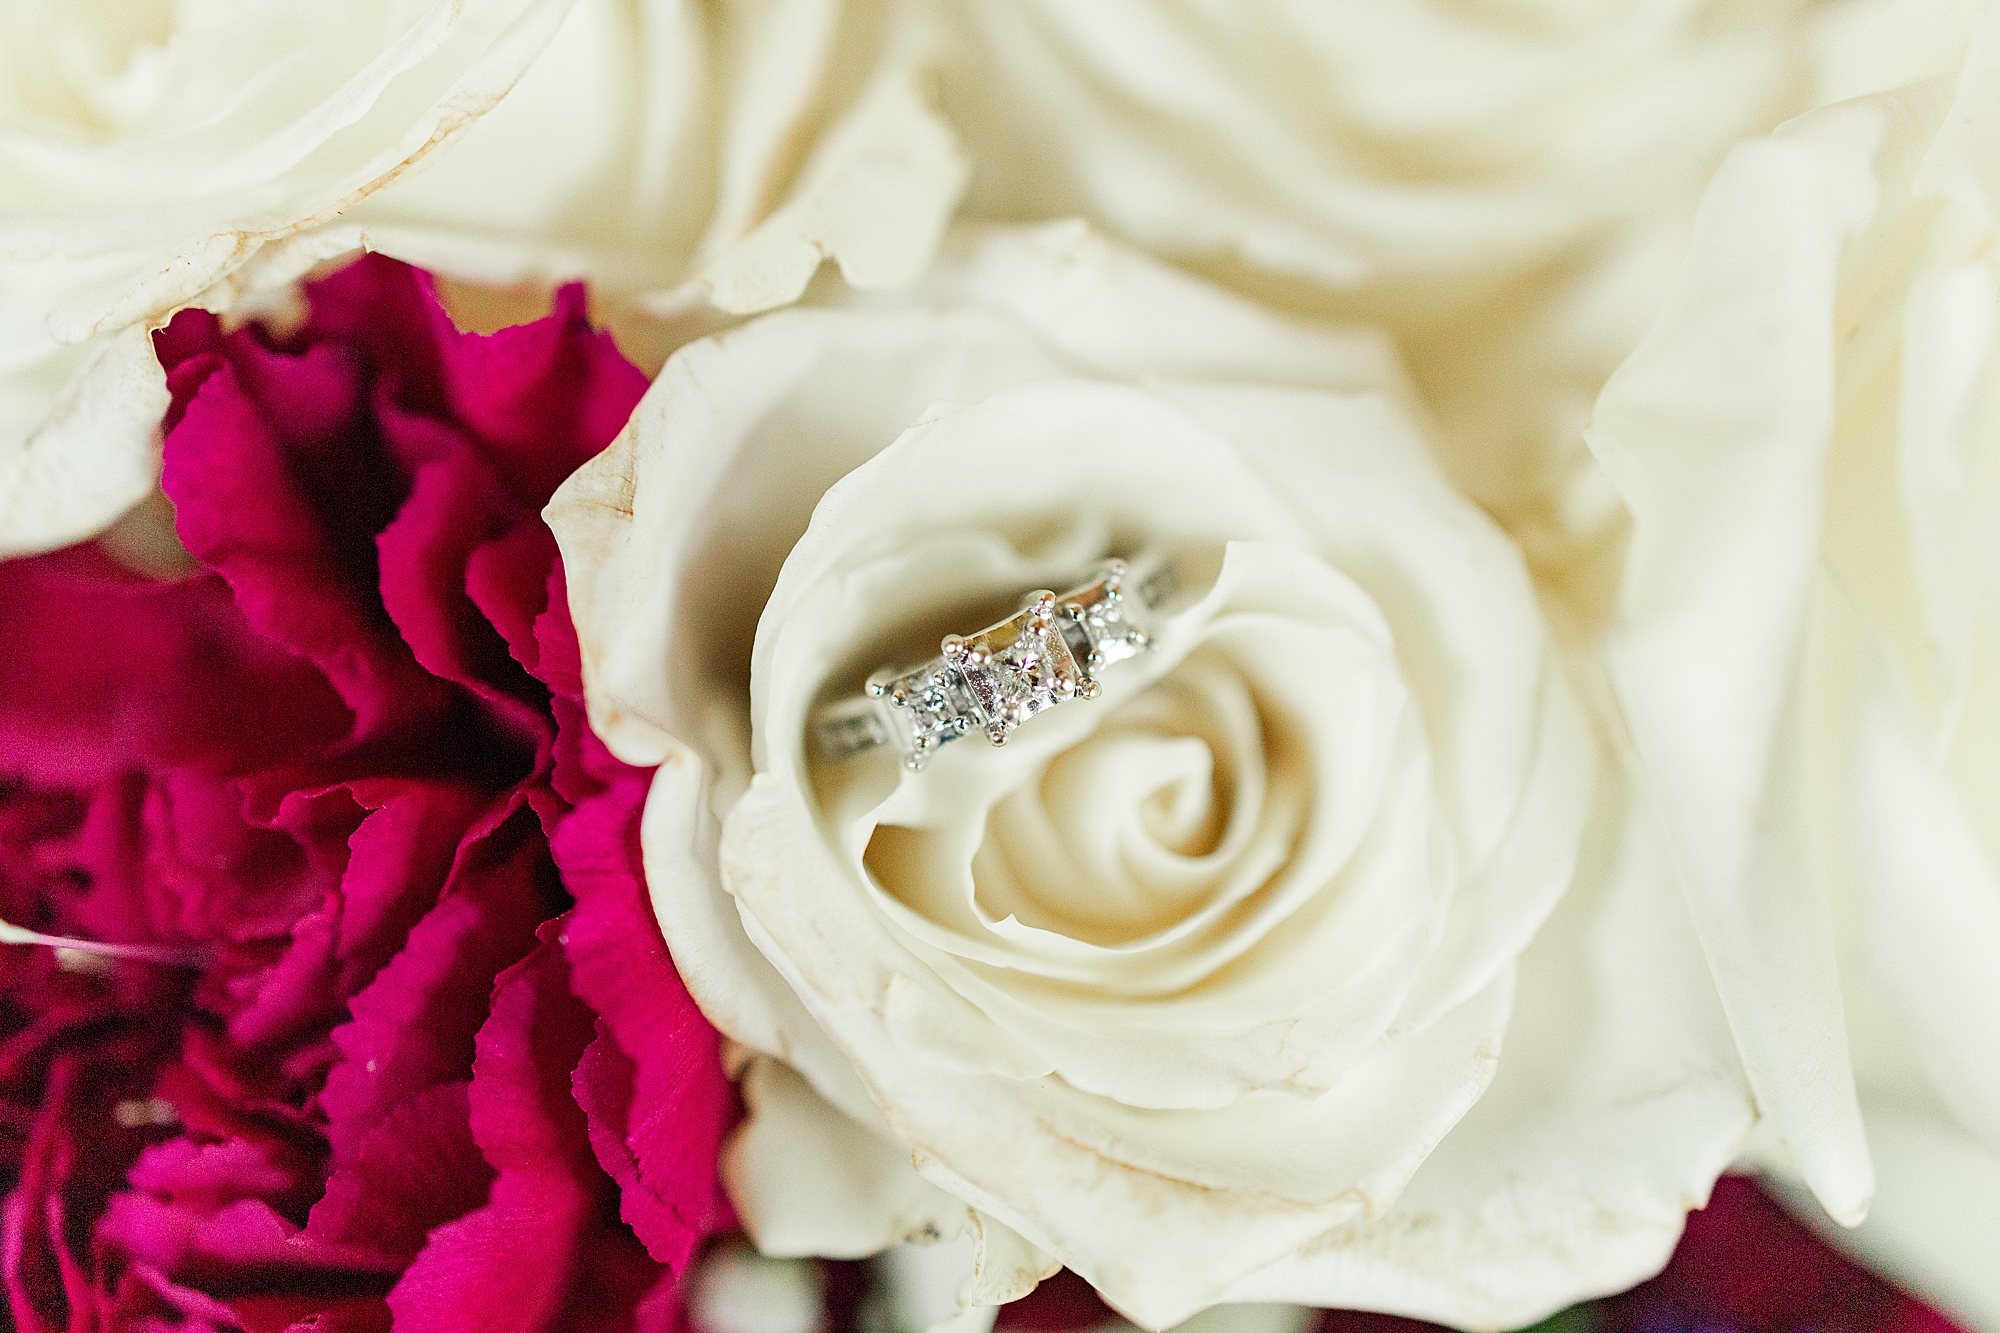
[(410, 1052), (1745, 1265)]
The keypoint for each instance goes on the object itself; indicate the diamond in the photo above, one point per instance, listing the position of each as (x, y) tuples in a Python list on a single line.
[(1102, 623), (1053, 650), (1018, 667), (846, 731), (929, 707)]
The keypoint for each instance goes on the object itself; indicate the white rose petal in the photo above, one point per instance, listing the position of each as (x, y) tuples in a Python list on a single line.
[(1353, 146), (1504, 188), (808, 1181), (66, 469), (1520, 1204), (146, 158), (1806, 441), (203, 153), (739, 1291), (1196, 986)]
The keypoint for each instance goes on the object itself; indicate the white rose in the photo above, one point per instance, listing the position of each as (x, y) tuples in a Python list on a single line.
[(163, 154), (1195, 987), (1809, 441), (1499, 186)]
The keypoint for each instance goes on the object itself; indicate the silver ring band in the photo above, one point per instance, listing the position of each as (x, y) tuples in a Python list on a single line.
[(1050, 651)]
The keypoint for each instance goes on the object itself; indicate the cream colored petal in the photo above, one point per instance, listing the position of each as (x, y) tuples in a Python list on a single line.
[(1930, 911), (1949, 343), (1453, 588), (449, 73), (737, 990), (67, 470), (1618, 1100), (1933, 1224), (1257, 1317), (290, 142), (1960, 164), (922, 1284), (806, 1180), (736, 1290), (674, 535), (945, 1288), (597, 163), (1716, 434), (1071, 1172), (1871, 47), (1114, 310), (1008, 1266), (1514, 778), (959, 1284), (773, 71), (1057, 1170), (875, 198), (1349, 148)]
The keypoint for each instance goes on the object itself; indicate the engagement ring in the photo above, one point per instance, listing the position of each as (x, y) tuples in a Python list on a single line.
[(1051, 651)]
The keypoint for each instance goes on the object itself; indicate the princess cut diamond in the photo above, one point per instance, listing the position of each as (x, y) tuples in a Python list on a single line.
[(1052, 650), (1102, 623), (928, 707), (1018, 667)]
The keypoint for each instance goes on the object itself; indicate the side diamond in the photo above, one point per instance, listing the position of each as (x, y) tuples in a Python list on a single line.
[(1102, 623), (928, 707)]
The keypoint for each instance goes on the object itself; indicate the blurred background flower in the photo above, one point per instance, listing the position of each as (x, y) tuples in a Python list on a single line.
[(157, 155)]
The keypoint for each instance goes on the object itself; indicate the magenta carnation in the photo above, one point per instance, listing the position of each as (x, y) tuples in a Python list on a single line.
[(405, 1049)]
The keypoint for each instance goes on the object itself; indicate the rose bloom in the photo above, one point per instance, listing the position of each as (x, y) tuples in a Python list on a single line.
[(361, 989), (1504, 188), (1322, 958), (1501, 187), (1809, 444), (156, 155)]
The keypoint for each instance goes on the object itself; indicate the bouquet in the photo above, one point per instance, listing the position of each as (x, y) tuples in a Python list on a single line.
[(931, 665)]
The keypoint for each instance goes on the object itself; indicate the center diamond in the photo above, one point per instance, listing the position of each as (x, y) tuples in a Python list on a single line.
[(1018, 667)]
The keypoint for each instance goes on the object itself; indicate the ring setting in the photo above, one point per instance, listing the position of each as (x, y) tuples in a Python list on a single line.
[(1049, 652)]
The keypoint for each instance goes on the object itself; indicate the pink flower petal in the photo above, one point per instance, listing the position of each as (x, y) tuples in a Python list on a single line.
[(651, 1082), (415, 1023), (586, 1271)]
